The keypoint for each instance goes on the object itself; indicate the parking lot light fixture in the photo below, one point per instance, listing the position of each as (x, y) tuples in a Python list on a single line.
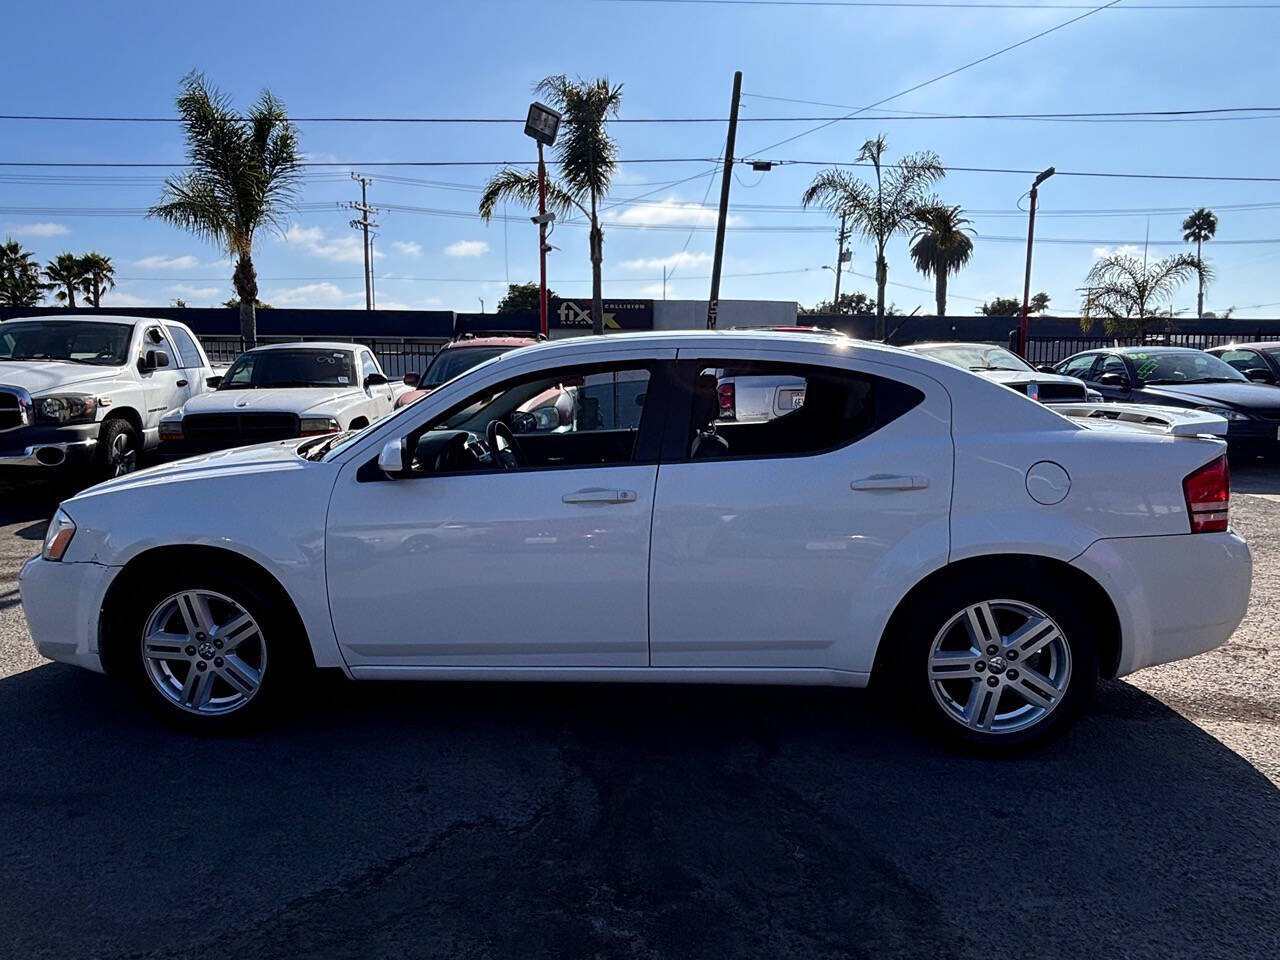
[(1041, 177), (542, 124)]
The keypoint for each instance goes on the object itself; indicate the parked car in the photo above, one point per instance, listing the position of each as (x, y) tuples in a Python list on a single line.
[(1259, 362), (459, 356), (910, 524), (1183, 377), (1005, 367), (747, 398), (87, 393), (279, 392)]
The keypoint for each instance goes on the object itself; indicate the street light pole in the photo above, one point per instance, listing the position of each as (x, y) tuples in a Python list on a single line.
[(713, 304), (542, 243), (1026, 281)]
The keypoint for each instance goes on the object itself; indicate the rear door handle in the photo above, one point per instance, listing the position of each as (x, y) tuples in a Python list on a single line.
[(182, 383), (600, 496), (885, 481)]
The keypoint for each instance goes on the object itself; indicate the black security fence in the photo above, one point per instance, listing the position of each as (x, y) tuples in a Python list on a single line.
[(1046, 349), (398, 355)]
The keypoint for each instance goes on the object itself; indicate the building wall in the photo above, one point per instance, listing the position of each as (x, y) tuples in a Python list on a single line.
[(692, 314)]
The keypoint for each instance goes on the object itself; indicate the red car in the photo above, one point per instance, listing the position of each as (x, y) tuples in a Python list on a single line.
[(457, 357)]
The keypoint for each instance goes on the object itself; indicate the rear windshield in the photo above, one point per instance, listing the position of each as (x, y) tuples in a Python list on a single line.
[(450, 363), (101, 344), (290, 368), (977, 357)]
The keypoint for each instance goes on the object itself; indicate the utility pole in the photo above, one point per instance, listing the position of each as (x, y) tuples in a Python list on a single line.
[(364, 224), (1026, 282), (664, 281), (713, 304), (841, 237)]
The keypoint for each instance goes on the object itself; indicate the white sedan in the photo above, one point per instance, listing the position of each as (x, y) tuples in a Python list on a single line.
[(910, 524)]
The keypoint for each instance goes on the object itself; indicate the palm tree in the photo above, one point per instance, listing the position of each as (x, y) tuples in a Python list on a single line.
[(1125, 292), (244, 174), (1200, 226), (878, 212), (20, 284), (101, 276), (65, 274), (587, 158), (941, 246)]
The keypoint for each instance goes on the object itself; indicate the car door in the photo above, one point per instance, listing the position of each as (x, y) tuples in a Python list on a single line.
[(380, 394), (780, 543), (460, 564), (161, 387), (190, 360)]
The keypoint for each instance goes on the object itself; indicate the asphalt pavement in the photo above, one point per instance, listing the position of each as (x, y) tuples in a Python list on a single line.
[(482, 820)]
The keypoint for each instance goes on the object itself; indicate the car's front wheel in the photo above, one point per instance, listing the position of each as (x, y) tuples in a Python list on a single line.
[(208, 651), (999, 663)]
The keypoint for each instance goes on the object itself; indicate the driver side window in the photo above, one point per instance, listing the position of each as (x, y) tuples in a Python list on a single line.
[(554, 419)]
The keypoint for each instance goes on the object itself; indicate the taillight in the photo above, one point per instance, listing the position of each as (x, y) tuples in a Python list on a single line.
[(1208, 493), (728, 400)]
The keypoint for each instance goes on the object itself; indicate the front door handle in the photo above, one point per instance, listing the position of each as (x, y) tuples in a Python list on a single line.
[(885, 481), (182, 383), (600, 496)]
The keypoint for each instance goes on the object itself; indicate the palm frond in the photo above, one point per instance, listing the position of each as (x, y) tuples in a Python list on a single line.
[(521, 186)]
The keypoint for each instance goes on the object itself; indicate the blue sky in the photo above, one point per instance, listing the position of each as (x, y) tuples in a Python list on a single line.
[(480, 58)]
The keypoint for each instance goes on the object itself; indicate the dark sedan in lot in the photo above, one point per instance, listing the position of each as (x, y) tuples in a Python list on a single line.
[(1182, 377), (1260, 362)]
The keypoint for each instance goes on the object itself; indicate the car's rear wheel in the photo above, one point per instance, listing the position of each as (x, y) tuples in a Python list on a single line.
[(998, 664), (208, 651)]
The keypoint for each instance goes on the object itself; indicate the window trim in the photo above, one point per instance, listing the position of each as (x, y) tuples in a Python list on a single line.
[(649, 434), (679, 421)]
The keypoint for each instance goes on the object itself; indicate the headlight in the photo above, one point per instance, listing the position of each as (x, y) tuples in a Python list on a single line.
[(171, 429), (1093, 396), (1226, 413), (56, 540), (69, 408), (315, 426)]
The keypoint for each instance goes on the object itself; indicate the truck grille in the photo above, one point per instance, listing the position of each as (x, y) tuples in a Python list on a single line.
[(11, 414), (238, 429)]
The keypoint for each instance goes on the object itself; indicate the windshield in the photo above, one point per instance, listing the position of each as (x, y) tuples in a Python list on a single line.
[(1183, 366), (978, 357), (451, 362), (101, 344), (290, 368)]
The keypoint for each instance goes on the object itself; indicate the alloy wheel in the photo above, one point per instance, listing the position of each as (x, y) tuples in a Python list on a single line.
[(204, 652), (999, 666), (122, 458)]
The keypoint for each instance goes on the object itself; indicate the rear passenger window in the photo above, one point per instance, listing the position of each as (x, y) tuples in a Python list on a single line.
[(779, 410), (188, 355)]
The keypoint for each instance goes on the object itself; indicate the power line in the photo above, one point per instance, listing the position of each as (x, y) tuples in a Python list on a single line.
[(962, 5), (949, 73), (341, 165), (413, 279)]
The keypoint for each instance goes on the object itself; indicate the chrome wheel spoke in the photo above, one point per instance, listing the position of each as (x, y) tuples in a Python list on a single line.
[(980, 621), (1035, 688), (166, 646), (955, 665), (195, 613), (980, 710), (240, 675), (1033, 636), (235, 632), (197, 688)]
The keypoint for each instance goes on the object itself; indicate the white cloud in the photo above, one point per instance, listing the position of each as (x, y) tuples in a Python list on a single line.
[(188, 292), (160, 262), (409, 248), (466, 248), (121, 298), (309, 294), (671, 211), (1128, 250), (38, 230), (682, 259), (344, 248)]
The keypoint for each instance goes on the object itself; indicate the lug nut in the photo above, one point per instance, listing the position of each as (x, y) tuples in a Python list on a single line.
[(992, 649), (1013, 674), (218, 644), (190, 651), (217, 661), (200, 636), (1012, 655), (993, 681), (201, 665), (979, 666)]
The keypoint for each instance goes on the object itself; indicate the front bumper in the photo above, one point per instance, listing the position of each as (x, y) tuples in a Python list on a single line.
[(1176, 596), (46, 447), (62, 602)]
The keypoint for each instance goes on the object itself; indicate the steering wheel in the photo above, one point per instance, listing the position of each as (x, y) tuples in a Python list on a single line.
[(507, 456)]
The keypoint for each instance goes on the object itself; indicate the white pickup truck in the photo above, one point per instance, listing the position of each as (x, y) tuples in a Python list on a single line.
[(88, 391), (281, 391)]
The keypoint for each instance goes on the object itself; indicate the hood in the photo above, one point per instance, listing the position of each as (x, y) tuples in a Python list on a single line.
[(1010, 377), (264, 457), (41, 376), (1234, 394), (299, 400)]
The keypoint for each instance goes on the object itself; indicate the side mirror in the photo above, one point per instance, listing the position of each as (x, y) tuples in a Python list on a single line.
[(391, 459), (1258, 375), (151, 359), (1118, 380), (212, 382), (1045, 368), (374, 380), (411, 379), (161, 359)]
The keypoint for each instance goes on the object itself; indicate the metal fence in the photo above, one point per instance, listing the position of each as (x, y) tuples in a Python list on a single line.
[(1051, 349), (398, 355)]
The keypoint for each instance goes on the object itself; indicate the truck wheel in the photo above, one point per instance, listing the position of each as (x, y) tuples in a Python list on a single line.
[(118, 447)]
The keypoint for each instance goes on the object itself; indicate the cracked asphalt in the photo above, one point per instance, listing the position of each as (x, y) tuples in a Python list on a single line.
[(482, 820)]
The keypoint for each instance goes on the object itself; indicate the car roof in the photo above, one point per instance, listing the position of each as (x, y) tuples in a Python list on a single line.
[(1254, 345), (93, 318), (936, 344), (488, 342), (308, 345)]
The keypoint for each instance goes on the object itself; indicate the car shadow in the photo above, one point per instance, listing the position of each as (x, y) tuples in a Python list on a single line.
[(1255, 477), (557, 821)]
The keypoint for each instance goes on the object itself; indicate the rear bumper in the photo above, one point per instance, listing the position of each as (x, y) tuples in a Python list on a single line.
[(1176, 596), (61, 602)]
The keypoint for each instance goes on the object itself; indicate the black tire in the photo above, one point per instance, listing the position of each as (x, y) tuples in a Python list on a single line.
[(283, 664), (119, 448), (1011, 592)]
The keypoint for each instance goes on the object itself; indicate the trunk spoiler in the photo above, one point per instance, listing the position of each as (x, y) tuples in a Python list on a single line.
[(1174, 421)]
